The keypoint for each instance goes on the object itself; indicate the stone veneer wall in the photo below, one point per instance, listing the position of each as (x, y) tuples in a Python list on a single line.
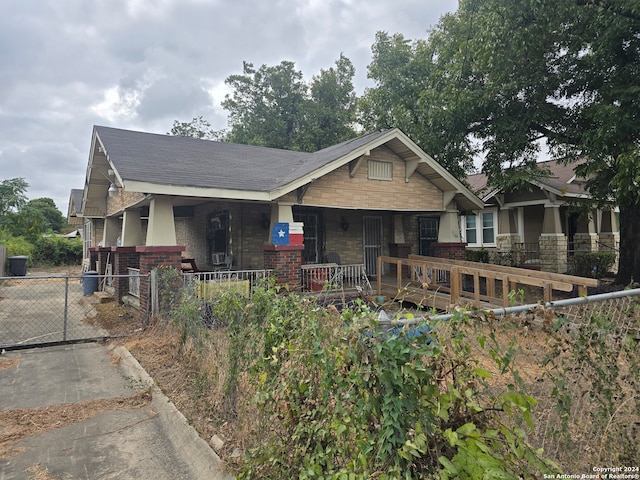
[(553, 253), (585, 242), (505, 241)]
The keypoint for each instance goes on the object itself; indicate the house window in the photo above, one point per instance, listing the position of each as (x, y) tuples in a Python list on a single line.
[(479, 230), (377, 170)]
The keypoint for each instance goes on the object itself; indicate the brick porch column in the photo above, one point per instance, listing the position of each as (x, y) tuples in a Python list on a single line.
[(103, 256), (285, 260), (151, 257), (450, 250), (124, 258)]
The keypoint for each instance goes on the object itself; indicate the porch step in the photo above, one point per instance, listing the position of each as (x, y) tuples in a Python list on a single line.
[(103, 297)]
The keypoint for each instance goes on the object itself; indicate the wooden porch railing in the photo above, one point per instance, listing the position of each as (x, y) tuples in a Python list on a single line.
[(440, 283)]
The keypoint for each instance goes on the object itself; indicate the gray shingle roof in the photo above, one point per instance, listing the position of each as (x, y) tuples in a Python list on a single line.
[(189, 162), (560, 179)]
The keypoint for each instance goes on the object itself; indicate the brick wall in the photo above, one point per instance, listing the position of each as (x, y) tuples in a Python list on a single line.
[(150, 258), (452, 251), (339, 189), (286, 262)]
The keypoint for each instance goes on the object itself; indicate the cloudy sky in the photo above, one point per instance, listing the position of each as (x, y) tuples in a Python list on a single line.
[(66, 65)]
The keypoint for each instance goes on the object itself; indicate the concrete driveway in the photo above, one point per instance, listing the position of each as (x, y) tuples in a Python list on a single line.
[(151, 440)]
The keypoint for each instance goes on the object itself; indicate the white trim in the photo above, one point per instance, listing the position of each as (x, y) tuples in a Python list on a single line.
[(479, 228)]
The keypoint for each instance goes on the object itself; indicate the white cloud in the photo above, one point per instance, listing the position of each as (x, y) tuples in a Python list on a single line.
[(67, 65)]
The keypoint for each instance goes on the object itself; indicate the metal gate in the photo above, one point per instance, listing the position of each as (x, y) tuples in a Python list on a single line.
[(37, 311), (372, 242)]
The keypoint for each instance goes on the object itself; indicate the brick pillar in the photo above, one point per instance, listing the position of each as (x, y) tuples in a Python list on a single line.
[(285, 260), (123, 258), (94, 255), (450, 250), (151, 257), (400, 250), (102, 257)]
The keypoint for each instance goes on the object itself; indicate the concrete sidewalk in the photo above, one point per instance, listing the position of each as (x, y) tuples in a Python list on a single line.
[(149, 442)]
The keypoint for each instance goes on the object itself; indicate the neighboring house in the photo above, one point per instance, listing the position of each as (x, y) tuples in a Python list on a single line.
[(542, 225), (377, 194)]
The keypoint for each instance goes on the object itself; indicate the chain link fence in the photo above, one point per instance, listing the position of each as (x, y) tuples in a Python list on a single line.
[(36, 311), (580, 360), (587, 380)]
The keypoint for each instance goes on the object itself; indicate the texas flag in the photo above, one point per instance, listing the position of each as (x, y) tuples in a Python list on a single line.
[(285, 233), (280, 233)]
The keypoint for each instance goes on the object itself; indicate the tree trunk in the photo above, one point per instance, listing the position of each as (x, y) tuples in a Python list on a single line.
[(629, 265)]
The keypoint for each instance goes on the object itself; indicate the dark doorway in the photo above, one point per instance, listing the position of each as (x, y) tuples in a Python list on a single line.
[(427, 234)]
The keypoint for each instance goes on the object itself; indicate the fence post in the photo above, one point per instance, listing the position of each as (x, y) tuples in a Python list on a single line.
[(455, 284), (3, 259)]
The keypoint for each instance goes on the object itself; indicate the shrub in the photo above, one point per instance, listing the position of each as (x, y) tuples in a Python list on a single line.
[(330, 394), (18, 246), (57, 251), (481, 255), (594, 264)]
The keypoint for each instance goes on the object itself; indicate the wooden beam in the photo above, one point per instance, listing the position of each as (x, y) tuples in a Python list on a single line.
[(354, 165)]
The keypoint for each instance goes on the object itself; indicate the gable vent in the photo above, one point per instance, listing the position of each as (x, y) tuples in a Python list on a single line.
[(377, 170)]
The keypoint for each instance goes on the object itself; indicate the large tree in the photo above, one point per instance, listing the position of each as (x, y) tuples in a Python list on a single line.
[(12, 195), (504, 79), (273, 106), (198, 127), (266, 106), (53, 218)]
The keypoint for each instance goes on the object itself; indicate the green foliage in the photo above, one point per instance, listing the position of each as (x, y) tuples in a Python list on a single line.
[(17, 246), (481, 255), (337, 397), (198, 127), (593, 264), (56, 250), (353, 402), (273, 106), (53, 221), (12, 196), (499, 79)]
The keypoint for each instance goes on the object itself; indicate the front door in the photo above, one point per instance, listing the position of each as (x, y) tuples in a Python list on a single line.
[(311, 236), (372, 241), (428, 235)]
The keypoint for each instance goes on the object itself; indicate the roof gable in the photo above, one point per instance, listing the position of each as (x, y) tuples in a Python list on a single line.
[(561, 181), (165, 164)]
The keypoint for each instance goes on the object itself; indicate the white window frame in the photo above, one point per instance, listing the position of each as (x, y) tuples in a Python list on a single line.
[(380, 170), (480, 228)]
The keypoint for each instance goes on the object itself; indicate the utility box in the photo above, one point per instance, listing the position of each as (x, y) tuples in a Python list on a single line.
[(18, 265)]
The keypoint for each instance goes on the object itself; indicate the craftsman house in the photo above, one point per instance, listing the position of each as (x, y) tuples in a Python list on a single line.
[(541, 225), (218, 203)]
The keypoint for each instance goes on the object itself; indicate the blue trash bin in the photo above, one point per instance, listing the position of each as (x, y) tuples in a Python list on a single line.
[(89, 282), (18, 265)]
